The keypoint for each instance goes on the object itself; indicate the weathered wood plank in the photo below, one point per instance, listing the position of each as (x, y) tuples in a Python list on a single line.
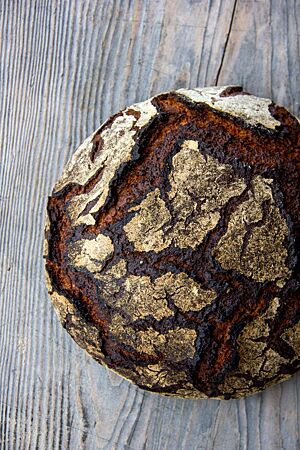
[(65, 66), (263, 52)]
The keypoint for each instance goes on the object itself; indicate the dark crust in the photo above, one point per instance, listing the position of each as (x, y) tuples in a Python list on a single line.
[(231, 91), (251, 151)]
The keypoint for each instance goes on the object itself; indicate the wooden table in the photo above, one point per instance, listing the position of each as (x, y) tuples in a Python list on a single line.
[(66, 65)]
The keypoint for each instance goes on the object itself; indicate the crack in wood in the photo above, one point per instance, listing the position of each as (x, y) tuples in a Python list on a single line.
[(226, 43)]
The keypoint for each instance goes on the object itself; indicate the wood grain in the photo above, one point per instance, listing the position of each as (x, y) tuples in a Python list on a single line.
[(65, 66)]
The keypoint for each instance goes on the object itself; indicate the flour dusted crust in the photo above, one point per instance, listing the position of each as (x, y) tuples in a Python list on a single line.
[(171, 244)]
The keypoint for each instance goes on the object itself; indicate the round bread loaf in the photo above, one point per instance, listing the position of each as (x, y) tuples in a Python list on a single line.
[(171, 243)]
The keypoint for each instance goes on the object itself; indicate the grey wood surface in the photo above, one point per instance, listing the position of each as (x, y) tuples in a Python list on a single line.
[(65, 66)]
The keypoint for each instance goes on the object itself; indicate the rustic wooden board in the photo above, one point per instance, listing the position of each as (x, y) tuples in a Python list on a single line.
[(65, 66)]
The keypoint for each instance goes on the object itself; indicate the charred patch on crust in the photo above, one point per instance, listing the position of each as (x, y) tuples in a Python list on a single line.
[(233, 90)]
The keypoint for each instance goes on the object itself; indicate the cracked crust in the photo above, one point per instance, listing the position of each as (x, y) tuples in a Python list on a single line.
[(263, 255), (171, 244), (199, 188), (254, 110), (91, 254)]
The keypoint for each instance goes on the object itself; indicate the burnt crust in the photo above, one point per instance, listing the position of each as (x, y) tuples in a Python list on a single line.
[(172, 244)]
